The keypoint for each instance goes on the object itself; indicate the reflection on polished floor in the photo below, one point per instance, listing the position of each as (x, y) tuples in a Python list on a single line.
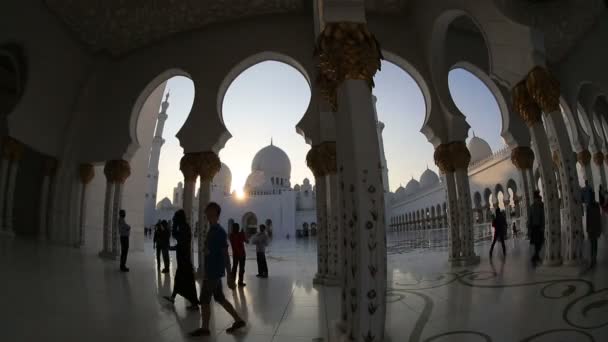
[(52, 293)]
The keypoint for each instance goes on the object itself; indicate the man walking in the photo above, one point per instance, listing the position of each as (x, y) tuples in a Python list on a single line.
[(124, 230), (536, 226), (260, 240), (217, 264), (594, 228)]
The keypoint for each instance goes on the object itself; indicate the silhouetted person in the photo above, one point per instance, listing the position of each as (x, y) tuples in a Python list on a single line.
[(237, 241), (260, 240), (161, 240), (217, 264), (500, 230), (594, 228), (536, 226), (183, 284), (587, 193), (124, 230), (515, 231)]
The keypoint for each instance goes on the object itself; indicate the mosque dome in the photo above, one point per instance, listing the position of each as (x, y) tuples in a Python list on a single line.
[(412, 187), (400, 192), (273, 161), (297, 187), (164, 203), (479, 149), (223, 179), (428, 178), (258, 181)]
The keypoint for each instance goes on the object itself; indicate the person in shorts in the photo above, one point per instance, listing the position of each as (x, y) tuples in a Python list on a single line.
[(217, 264)]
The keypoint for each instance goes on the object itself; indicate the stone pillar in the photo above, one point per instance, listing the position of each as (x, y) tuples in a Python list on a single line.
[(189, 165), (86, 173), (334, 230), (116, 172), (460, 160), (11, 155), (584, 157), (523, 159), (349, 57), (598, 160), (50, 167), (316, 163), (443, 160), (209, 166), (530, 112), (545, 91), (121, 173)]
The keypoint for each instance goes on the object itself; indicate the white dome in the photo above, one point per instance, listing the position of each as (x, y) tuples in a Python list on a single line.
[(273, 161), (479, 149), (223, 179), (258, 181), (412, 187), (400, 192), (164, 203), (428, 178)]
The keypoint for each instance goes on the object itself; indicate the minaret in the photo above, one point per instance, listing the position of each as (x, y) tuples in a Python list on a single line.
[(157, 144), (380, 127)]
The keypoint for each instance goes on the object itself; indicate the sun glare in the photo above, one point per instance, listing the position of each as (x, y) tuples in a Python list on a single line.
[(240, 194)]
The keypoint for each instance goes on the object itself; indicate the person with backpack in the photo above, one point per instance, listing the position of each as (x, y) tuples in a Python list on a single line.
[(500, 231)]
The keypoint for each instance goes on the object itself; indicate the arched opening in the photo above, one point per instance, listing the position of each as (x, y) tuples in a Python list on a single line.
[(12, 78), (250, 223), (262, 102)]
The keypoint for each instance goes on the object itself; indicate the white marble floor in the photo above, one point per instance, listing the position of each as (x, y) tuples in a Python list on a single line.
[(52, 293)]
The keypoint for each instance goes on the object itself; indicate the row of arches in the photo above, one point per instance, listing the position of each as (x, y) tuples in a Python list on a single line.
[(432, 217)]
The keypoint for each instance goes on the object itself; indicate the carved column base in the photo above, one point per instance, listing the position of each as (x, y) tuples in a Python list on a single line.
[(465, 261)]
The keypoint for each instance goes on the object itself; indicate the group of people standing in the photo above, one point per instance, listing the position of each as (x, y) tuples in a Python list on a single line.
[(217, 263), (536, 223)]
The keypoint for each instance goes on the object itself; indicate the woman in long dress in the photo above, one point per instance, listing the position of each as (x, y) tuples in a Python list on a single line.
[(183, 284)]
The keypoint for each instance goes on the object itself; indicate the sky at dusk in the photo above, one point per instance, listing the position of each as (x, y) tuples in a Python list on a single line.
[(268, 99)]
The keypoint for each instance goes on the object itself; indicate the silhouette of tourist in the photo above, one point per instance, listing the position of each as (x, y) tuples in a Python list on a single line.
[(183, 284), (500, 230), (515, 231), (260, 240), (124, 230), (536, 226), (237, 241), (587, 193), (217, 264), (161, 243), (594, 228)]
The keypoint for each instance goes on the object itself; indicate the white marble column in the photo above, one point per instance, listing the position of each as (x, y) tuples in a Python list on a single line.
[(10, 195), (598, 161), (209, 166), (86, 173), (531, 114), (334, 231), (50, 168), (523, 159), (443, 160), (108, 209), (189, 165)]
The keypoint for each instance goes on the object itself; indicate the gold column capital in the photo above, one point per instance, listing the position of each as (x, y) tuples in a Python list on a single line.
[(524, 104), (522, 157), (544, 89), (598, 158), (345, 51), (189, 165), (117, 170), (209, 166), (86, 172), (584, 157), (12, 149), (461, 157), (443, 159), (321, 159), (50, 166)]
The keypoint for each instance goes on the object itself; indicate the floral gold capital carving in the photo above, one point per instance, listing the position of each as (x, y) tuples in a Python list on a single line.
[(210, 165), (522, 157), (584, 157), (443, 158), (461, 157), (189, 165), (12, 149), (345, 51), (86, 172), (524, 104), (598, 158), (117, 171), (544, 89)]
